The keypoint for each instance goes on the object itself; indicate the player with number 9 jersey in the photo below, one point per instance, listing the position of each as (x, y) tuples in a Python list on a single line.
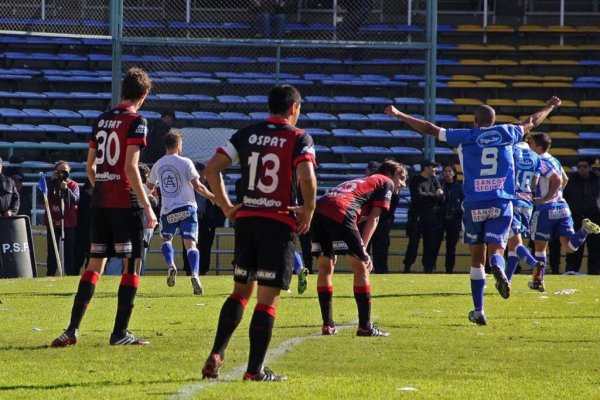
[(112, 132)]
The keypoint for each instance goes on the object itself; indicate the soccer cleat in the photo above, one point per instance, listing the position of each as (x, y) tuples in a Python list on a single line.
[(480, 320), (327, 330), (197, 286), (372, 331), (171, 275), (266, 375), (127, 339), (67, 338), (502, 283), (212, 366), (589, 227), (302, 280), (537, 278)]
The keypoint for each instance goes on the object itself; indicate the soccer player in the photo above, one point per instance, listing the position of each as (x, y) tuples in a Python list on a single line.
[(178, 179), (118, 206), (527, 174), (552, 211), (335, 230), (274, 157), (486, 157)]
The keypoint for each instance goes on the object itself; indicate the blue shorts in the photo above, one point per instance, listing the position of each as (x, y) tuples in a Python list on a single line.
[(521, 221), (184, 218), (556, 219), (487, 221)]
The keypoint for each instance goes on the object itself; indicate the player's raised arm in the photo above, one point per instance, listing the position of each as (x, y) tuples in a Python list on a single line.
[(537, 118), (421, 126)]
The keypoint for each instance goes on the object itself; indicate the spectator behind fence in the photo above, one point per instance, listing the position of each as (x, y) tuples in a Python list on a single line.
[(583, 196), (155, 147), (451, 214), (272, 18), (63, 198), (427, 199), (9, 195)]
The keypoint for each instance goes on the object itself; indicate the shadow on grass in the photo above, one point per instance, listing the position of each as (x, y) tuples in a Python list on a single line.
[(91, 384), (27, 348)]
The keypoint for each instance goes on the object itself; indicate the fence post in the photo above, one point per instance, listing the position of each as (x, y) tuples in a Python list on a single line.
[(116, 33)]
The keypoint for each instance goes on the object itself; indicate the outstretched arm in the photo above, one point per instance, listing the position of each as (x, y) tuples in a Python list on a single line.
[(421, 126), (537, 118)]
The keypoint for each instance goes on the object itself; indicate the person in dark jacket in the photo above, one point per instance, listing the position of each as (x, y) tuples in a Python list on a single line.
[(583, 196), (63, 198), (155, 147), (451, 214), (9, 195), (427, 198)]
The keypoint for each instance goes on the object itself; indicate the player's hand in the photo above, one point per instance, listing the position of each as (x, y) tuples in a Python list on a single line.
[(368, 264), (8, 213), (231, 211), (303, 218), (439, 193), (538, 200), (391, 110), (553, 101), (150, 217), (63, 185)]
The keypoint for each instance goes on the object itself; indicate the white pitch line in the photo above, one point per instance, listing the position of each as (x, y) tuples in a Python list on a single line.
[(235, 373)]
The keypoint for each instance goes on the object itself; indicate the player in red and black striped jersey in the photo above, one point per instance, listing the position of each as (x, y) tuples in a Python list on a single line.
[(274, 156), (119, 206), (335, 231)]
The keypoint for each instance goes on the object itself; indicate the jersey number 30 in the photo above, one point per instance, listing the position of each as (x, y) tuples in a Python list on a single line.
[(108, 147), (269, 174)]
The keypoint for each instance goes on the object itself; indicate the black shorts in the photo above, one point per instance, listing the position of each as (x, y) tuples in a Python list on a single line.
[(116, 232), (264, 252), (330, 238)]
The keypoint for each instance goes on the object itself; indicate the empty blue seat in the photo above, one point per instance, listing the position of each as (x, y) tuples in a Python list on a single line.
[(230, 99), (28, 128), (59, 95), (589, 135), (319, 148), (12, 113), (351, 117), (259, 115), (408, 100), (590, 152), (442, 101), (168, 97), (207, 116), (184, 116), (376, 150), (37, 113), (445, 118), (59, 113), (380, 117), (409, 151), (54, 128), (235, 116), (360, 166), (405, 134), (316, 131), (333, 166), (353, 133), (257, 99), (345, 150), (90, 114), (199, 97), (149, 114), (444, 151), (23, 95), (321, 116), (376, 133), (319, 99), (349, 99), (377, 100), (374, 77), (81, 129)]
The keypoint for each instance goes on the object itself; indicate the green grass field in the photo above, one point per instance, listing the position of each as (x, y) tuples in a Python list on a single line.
[(544, 346)]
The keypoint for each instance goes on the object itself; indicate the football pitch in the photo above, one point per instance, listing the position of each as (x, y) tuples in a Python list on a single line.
[(536, 345)]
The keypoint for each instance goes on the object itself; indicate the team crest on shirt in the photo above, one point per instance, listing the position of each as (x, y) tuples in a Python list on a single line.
[(170, 181), (491, 138), (308, 150)]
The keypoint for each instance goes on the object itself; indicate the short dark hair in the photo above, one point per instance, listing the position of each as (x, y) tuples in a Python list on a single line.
[(484, 115), (144, 171), (172, 138), (541, 139), (390, 167), (585, 160), (168, 113), (59, 162), (135, 84), (282, 97)]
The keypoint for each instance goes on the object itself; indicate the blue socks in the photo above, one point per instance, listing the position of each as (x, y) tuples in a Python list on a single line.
[(541, 256), (525, 256), (168, 253), (194, 258), (298, 264), (498, 260), (511, 266), (477, 285), (577, 239)]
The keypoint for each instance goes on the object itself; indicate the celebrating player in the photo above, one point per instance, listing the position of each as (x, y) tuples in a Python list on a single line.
[(335, 230), (178, 179), (116, 219), (274, 156), (486, 157)]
